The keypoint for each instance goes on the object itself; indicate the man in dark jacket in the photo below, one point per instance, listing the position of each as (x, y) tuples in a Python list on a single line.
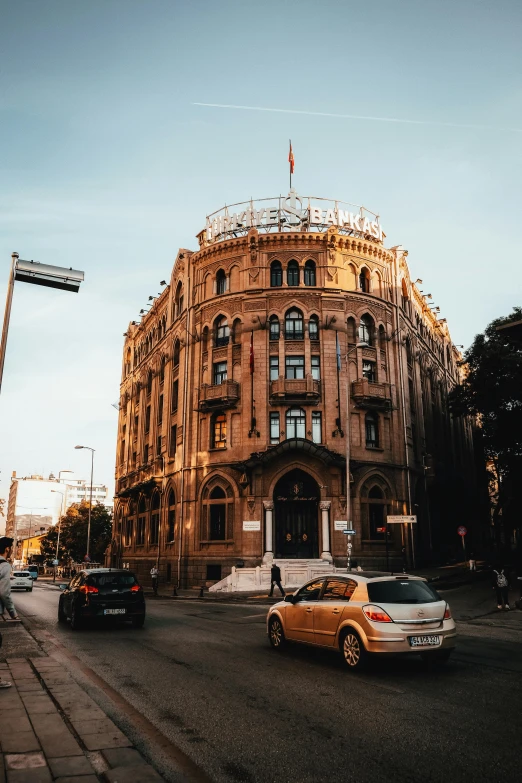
[(275, 578), (501, 585)]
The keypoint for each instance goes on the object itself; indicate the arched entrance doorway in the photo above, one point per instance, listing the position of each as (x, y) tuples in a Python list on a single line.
[(296, 502)]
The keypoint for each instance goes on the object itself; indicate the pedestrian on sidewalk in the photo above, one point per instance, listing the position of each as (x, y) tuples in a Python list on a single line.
[(154, 577), (6, 602), (275, 578), (501, 585), (472, 562)]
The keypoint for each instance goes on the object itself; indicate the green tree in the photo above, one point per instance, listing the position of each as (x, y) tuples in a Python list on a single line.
[(492, 391), (73, 534)]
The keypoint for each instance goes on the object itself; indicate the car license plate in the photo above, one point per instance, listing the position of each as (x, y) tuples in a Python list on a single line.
[(424, 641), (114, 611)]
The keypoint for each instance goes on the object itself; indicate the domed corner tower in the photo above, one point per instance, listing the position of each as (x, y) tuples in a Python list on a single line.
[(289, 329)]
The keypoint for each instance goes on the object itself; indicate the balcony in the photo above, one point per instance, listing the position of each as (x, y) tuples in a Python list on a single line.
[(302, 390), (139, 478), (368, 394), (222, 395)]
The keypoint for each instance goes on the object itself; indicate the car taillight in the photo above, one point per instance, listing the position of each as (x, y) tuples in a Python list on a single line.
[(135, 589), (376, 614), (88, 589), (447, 613)]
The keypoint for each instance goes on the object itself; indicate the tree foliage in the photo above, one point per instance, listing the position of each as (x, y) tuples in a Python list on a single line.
[(492, 391), (73, 534)]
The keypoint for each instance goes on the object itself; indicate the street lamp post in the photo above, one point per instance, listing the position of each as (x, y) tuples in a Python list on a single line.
[(87, 557), (348, 499), (63, 494)]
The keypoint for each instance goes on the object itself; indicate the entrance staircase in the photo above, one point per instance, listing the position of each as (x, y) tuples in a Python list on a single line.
[(294, 573)]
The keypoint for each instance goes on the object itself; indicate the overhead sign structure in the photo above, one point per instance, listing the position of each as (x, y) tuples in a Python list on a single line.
[(401, 519), (292, 213)]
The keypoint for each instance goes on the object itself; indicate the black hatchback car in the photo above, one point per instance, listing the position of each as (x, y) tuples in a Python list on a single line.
[(102, 593)]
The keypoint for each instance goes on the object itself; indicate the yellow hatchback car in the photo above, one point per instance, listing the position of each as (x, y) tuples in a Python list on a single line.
[(366, 612)]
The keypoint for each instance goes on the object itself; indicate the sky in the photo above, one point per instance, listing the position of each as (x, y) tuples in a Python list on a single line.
[(109, 165)]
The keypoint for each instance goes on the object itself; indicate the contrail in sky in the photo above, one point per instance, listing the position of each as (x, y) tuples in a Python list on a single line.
[(360, 117)]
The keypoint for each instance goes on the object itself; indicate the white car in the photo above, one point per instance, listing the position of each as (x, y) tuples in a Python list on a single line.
[(21, 580)]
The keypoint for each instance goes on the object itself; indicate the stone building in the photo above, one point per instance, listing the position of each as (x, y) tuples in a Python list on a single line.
[(291, 328)]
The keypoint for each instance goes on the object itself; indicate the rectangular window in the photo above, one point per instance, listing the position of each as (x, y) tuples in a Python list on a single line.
[(274, 368), (295, 423), (218, 514), (158, 446), (275, 430), (220, 373), (134, 458), (316, 368), (122, 452), (146, 454), (160, 409), (171, 524), (219, 431), (316, 427), (154, 529), (147, 418), (174, 401), (368, 371), (140, 532), (294, 366), (136, 425), (173, 438)]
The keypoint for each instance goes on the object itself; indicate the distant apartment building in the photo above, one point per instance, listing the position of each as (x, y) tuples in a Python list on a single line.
[(79, 491)]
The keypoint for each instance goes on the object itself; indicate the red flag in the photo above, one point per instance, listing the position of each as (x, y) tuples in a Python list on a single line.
[(291, 159), (251, 353)]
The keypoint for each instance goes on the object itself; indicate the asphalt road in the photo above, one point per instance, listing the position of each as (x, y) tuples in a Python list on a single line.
[(205, 676)]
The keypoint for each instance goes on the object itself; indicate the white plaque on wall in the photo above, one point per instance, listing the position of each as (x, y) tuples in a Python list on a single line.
[(253, 524), (340, 524)]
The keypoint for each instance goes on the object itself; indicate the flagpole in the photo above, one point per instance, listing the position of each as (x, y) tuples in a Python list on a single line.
[(290, 162)]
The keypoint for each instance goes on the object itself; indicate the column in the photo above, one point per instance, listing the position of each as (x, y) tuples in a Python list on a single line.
[(325, 522), (269, 549)]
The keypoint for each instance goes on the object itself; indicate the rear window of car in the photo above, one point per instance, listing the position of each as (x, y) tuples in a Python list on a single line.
[(22, 573), (402, 591), (118, 580)]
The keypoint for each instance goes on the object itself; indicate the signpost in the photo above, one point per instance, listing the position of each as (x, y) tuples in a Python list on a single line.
[(348, 532), (461, 530)]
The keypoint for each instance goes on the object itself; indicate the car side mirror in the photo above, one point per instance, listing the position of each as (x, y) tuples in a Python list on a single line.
[(290, 599), (63, 586)]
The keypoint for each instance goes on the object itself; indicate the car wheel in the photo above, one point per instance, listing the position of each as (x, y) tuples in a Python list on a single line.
[(276, 634), (437, 657), (353, 650), (75, 619), (62, 617)]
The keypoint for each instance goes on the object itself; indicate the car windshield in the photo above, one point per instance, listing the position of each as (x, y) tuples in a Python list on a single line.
[(112, 579), (402, 591)]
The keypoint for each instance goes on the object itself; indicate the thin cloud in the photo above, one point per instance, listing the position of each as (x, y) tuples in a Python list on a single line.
[(360, 117)]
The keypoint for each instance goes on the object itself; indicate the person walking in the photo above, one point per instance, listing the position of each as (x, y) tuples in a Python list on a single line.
[(472, 562), (6, 602), (501, 585), (154, 577), (275, 578)]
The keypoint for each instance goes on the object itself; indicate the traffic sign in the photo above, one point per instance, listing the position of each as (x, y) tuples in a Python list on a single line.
[(401, 519), (349, 532), (55, 562), (462, 530)]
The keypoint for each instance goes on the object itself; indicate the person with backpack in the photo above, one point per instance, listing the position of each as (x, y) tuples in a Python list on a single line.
[(501, 585)]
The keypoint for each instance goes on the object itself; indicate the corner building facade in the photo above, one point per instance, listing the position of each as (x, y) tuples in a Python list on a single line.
[(272, 356)]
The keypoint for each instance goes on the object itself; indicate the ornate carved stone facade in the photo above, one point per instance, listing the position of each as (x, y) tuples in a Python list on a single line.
[(240, 389)]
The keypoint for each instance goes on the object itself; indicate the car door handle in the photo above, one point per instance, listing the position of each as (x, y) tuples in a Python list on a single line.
[(336, 611), (310, 610)]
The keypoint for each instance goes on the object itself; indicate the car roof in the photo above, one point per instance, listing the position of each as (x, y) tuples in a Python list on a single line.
[(366, 576), (106, 571)]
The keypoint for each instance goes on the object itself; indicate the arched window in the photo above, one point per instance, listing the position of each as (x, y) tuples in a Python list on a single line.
[(292, 273), (149, 382), (274, 327), (175, 355), (350, 330), (366, 328), (276, 274), (371, 422), (294, 324), (221, 282), (364, 280), (162, 370), (295, 423), (409, 353), (222, 330), (218, 514), (309, 273), (376, 513), (204, 339), (155, 519), (142, 517), (313, 327), (218, 435), (171, 519), (178, 301), (382, 338)]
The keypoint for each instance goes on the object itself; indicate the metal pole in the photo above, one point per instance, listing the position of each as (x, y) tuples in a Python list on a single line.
[(347, 429), (7, 314), (58, 538), (90, 506)]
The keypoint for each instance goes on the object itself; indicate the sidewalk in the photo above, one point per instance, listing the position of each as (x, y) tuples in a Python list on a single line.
[(51, 730)]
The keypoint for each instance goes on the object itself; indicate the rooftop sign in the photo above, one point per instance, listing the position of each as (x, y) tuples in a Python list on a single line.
[(292, 213)]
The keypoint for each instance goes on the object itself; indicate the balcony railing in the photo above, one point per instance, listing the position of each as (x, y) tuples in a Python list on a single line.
[(222, 395), (303, 390), (369, 394)]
